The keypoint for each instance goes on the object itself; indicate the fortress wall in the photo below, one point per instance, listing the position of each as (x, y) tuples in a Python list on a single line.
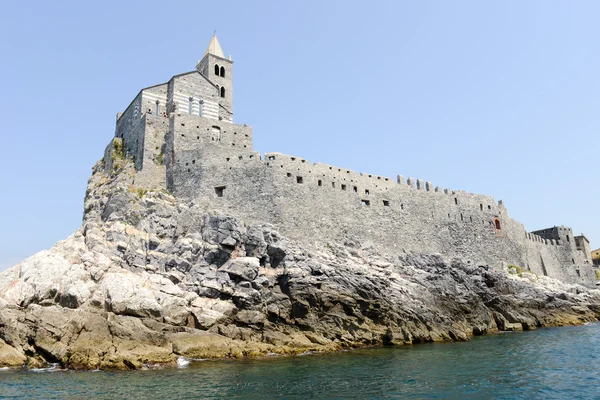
[(399, 217), (239, 186), (153, 174), (130, 127), (192, 132), (394, 219)]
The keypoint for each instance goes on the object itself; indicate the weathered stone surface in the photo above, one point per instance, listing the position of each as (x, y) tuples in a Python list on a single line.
[(243, 268), (220, 287)]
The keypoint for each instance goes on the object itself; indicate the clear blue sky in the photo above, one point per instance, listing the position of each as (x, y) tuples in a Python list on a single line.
[(499, 98)]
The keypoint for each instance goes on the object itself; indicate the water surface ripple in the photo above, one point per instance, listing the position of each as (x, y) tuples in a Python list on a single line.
[(558, 363)]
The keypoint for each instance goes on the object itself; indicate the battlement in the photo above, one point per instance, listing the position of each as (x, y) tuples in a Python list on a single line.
[(189, 145)]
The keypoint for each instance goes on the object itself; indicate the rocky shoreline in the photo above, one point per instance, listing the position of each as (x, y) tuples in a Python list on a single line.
[(149, 278)]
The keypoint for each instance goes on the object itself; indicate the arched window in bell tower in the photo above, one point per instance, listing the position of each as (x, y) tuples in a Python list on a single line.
[(223, 72), (222, 91), (217, 70)]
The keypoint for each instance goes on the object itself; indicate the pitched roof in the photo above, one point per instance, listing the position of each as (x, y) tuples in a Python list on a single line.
[(214, 48)]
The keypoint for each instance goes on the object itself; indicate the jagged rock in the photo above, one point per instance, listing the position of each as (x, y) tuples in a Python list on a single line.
[(243, 267), (146, 280)]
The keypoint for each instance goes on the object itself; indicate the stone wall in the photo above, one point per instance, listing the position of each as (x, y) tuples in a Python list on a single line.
[(130, 127), (324, 203), (153, 94), (153, 173), (197, 153), (192, 89)]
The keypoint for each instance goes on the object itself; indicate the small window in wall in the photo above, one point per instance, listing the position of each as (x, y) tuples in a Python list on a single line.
[(461, 217), (219, 190), (216, 131), (223, 72), (366, 191), (217, 70), (481, 207), (497, 224), (289, 174), (332, 184), (222, 91), (299, 179), (386, 203), (489, 207), (343, 187), (568, 239), (365, 202), (355, 188), (455, 200), (320, 182), (271, 158)]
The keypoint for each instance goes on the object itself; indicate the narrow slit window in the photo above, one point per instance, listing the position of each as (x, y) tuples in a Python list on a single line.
[(320, 182), (299, 179), (355, 188), (190, 105)]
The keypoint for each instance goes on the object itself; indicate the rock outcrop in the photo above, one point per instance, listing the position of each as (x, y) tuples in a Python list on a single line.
[(149, 278)]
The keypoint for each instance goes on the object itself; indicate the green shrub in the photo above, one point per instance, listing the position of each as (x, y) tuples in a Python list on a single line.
[(118, 147), (518, 269), (597, 272)]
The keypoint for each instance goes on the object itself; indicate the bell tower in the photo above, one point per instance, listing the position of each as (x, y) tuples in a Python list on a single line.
[(218, 70)]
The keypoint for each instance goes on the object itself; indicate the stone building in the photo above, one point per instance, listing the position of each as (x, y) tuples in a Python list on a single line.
[(182, 138), (595, 254)]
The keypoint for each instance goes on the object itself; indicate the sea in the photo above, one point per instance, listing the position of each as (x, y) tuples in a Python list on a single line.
[(552, 363)]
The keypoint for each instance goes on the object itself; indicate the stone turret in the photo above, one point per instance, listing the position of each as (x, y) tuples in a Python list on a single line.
[(219, 70)]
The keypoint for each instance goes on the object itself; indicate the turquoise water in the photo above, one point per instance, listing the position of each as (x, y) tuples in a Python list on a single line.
[(561, 363)]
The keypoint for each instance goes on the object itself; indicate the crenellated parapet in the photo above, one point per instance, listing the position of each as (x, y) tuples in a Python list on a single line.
[(181, 136)]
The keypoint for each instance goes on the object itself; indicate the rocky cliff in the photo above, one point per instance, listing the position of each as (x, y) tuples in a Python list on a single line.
[(149, 278)]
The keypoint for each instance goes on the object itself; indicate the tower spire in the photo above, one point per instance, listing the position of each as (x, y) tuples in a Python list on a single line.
[(214, 47)]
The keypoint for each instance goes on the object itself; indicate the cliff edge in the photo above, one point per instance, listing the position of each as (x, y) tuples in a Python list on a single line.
[(149, 278)]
